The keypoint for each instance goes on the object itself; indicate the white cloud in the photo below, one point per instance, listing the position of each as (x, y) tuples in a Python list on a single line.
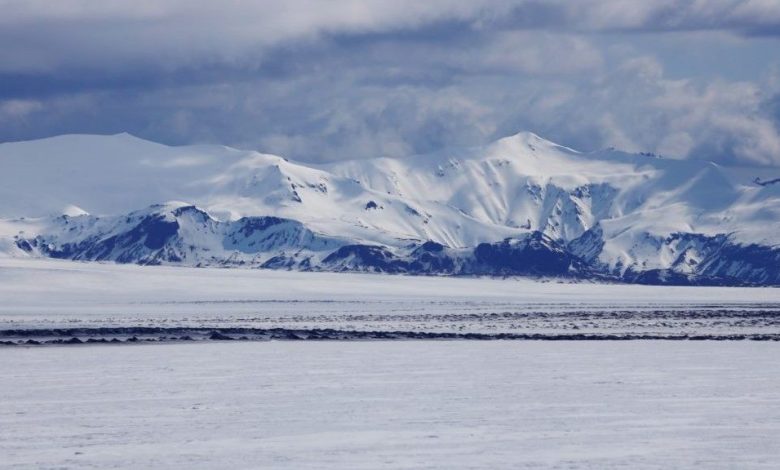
[(540, 53), (635, 107), (18, 109)]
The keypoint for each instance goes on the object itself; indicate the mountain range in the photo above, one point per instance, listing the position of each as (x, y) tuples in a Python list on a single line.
[(519, 206)]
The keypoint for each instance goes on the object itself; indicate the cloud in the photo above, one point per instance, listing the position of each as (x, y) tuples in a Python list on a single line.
[(114, 35), (746, 17), (634, 106), (19, 109), (324, 81)]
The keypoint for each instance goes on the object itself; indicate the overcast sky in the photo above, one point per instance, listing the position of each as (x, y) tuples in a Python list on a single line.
[(318, 80)]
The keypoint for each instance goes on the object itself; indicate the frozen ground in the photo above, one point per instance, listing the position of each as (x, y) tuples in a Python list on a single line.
[(374, 404), (418, 404), (46, 294)]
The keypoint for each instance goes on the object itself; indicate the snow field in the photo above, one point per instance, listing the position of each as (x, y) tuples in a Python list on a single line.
[(392, 405)]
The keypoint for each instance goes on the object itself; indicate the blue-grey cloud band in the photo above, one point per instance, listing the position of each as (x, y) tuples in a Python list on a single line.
[(356, 79)]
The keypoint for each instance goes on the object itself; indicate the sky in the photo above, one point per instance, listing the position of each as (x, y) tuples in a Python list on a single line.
[(319, 81)]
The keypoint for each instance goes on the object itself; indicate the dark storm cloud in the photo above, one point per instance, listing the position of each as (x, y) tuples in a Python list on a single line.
[(747, 17)]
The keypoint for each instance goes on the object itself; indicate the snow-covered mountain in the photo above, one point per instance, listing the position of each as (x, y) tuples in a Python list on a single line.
[(521, 205)]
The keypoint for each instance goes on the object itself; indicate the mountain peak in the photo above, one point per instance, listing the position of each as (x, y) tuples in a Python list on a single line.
[(526, 136), (73, 211), (527, 140)]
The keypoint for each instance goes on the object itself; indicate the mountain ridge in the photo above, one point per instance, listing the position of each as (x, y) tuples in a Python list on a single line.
[(549, 209)]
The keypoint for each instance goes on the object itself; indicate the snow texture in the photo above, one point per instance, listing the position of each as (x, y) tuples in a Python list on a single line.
[(358, 405)]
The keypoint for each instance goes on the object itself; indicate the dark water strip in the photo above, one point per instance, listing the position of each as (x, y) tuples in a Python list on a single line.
[(75, 336)]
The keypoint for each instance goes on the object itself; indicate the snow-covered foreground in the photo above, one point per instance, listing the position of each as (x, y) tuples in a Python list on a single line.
[(419, 404), (369, 404)]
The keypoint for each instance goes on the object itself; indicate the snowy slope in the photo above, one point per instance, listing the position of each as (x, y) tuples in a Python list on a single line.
[(526, 181), (109, 175), (610, 214)]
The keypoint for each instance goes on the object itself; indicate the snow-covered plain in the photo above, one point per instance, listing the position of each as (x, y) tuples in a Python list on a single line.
[(40, 293), (382, 404), (650, 404)]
